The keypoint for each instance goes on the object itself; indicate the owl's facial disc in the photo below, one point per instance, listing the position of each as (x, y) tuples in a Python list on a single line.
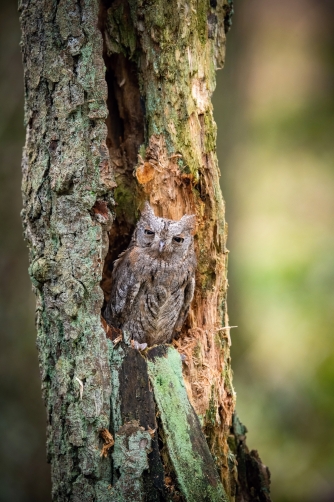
[(163, 238)]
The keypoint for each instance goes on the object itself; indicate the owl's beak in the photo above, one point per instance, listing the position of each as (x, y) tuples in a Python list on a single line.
[(161, 246)]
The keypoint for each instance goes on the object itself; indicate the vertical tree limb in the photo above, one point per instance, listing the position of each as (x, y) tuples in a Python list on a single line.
[(63, 178), (118, 110)]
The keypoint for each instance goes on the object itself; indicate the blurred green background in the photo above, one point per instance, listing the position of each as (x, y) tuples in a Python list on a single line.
[(274, 107)]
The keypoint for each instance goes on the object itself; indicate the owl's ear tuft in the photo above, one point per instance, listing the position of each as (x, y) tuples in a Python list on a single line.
[(147, 211), (188, 222)]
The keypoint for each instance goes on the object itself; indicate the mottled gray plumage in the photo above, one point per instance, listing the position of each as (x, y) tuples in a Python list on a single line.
[(153, 280)]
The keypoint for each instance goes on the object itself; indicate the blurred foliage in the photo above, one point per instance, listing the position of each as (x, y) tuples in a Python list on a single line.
[(274, 107)]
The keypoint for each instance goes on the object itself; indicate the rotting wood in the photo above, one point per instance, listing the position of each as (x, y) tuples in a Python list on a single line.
[(137, 403), (161, 59), (188, 450), (108, 442), (132, 402), (252, 476)]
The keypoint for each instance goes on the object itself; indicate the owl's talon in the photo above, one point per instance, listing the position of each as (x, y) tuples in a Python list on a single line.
[(139, 346)]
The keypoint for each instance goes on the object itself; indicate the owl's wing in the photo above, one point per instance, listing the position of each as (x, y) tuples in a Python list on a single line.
[(188, 296), (124, 290)]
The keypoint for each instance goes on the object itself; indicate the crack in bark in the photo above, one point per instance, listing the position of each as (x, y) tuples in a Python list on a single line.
[(125, 123)]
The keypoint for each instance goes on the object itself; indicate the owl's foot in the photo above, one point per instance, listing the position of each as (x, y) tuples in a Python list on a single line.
[(138, 346)]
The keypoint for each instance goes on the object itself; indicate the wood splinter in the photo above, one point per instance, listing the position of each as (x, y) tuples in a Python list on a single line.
[(108, 442)]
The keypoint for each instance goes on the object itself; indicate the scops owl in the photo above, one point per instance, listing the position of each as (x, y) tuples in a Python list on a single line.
[(153, 281)]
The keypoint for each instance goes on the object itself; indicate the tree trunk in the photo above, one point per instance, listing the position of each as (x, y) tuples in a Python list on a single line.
[(118, 110)]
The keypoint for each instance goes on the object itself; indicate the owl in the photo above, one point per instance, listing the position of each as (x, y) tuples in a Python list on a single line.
[(153, 281)]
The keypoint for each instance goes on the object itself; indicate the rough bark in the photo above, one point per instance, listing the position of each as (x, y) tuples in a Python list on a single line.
[(118, 110), (64, 176)]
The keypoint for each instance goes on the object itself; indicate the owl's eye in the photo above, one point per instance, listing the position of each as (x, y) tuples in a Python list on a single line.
[(149, 232), (178, 239)]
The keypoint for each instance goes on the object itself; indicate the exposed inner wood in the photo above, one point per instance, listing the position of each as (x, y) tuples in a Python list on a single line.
[(167, 155)]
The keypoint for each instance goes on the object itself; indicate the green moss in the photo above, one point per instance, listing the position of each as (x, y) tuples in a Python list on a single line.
[(103, 491), (126, 208), (158, 15), (142, 151), (210, 132), (122, 26), (42, 270), (182, 431), (210, 416), (86, 71), (228, 379), (206, 269), (132, 445), (202, 12)]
